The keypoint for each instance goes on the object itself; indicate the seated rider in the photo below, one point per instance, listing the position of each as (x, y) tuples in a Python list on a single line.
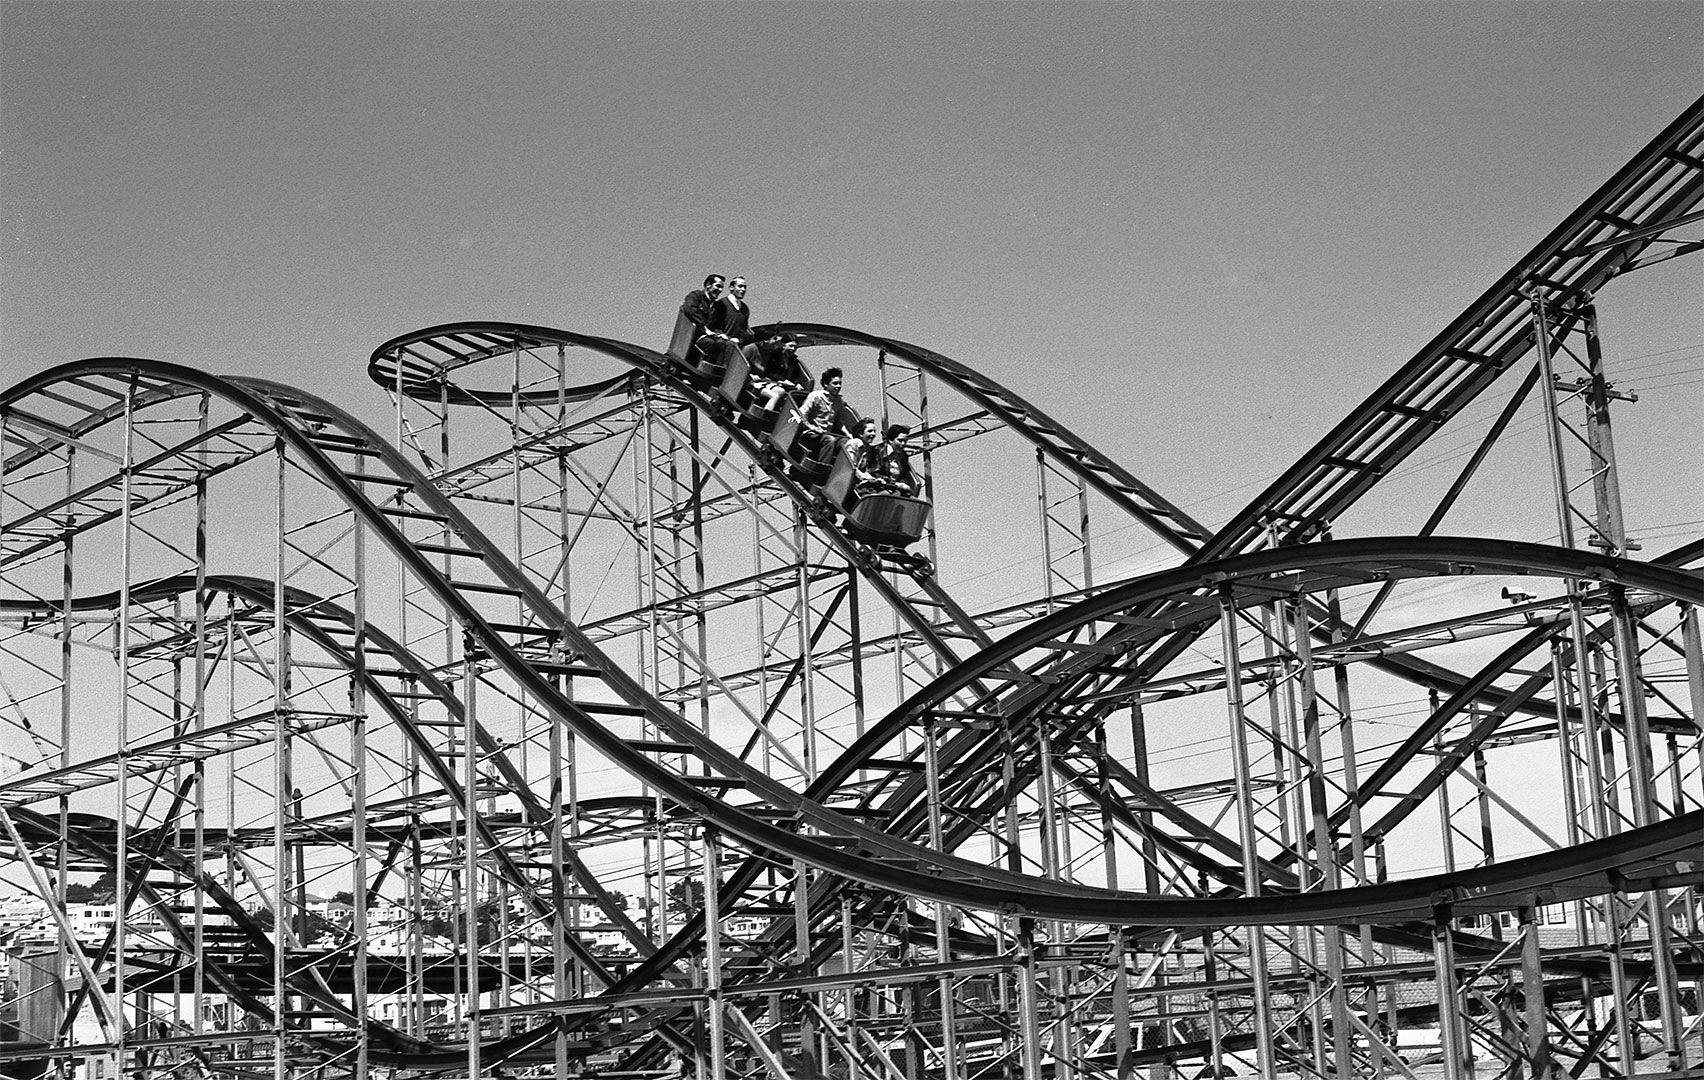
[(895, 467), (699, 303), (699, 307), (865, 452), (819, 416), (731, 315), (775, 368)]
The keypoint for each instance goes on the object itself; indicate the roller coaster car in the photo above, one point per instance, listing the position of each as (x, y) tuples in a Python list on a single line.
[(814, 462), (837, 485), (736, 390), (887, 519), (811, 461), (785, 435), (884, 518), (685, 333), (704, 359)]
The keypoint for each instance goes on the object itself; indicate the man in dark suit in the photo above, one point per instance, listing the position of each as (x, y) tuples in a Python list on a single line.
[(699, 303), (691, 338)]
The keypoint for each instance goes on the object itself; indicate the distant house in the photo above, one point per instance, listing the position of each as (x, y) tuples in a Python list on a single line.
[(605, 937)]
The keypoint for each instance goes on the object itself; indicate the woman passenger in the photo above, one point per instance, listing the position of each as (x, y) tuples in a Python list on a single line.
[(775, 369), (865, 453), (895, 466)]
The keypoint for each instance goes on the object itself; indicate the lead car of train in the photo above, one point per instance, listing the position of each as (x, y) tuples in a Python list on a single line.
[(887, 521)]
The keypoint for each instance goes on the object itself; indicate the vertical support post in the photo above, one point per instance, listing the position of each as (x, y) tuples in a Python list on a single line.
[(1151, 884), (943, 935), (1537, 1042), (1029, 998), (802, 950), (358, 783), (559, 924), (1452, 1036), (121, 814), (470, 852), (1215, 1018), (1115, 938), (1014, 861), (1626, 1034), (1446, 812), (66, 623), (281, 778), (1357, 840), (1642, 769), (713, 951), (847, 966), (806, 632), (198, 705), (1246, 826), (701, 622), (1056, 985), (1325, 851)]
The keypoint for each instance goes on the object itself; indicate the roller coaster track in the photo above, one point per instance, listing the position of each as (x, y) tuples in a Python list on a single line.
[(1654, 193), (315, 430), (1452, 371), (468, 343), (1191, 594), (1650, 196), (1480, 689), (1587, 870), (1070, 451), (350, 440), (1318, 567), (422, 365), (1060, 673)]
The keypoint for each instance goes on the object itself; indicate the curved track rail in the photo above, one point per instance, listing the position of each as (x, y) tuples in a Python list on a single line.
[(1009, 731)]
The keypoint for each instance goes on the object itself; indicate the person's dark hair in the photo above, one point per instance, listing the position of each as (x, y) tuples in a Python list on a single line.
[(714, 277), (894, 431), (831, 373)]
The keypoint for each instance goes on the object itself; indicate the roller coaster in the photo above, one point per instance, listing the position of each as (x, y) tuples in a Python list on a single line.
[(579, 725)]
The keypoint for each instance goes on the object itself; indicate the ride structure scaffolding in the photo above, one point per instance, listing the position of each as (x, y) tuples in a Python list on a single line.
[(572, 730)]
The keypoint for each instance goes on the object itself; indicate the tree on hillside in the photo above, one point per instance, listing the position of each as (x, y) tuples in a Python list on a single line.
[(686, 896), (103, 891)]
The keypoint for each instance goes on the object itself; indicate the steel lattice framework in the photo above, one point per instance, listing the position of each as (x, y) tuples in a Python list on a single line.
[(617, 755)]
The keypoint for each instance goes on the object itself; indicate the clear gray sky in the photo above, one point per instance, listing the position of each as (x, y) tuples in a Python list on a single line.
[(1198, 232)]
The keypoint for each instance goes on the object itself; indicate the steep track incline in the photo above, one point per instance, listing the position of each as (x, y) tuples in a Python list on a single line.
[(350, 460)]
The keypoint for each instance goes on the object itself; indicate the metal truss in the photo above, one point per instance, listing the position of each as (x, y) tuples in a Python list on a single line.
[(565, 730)]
